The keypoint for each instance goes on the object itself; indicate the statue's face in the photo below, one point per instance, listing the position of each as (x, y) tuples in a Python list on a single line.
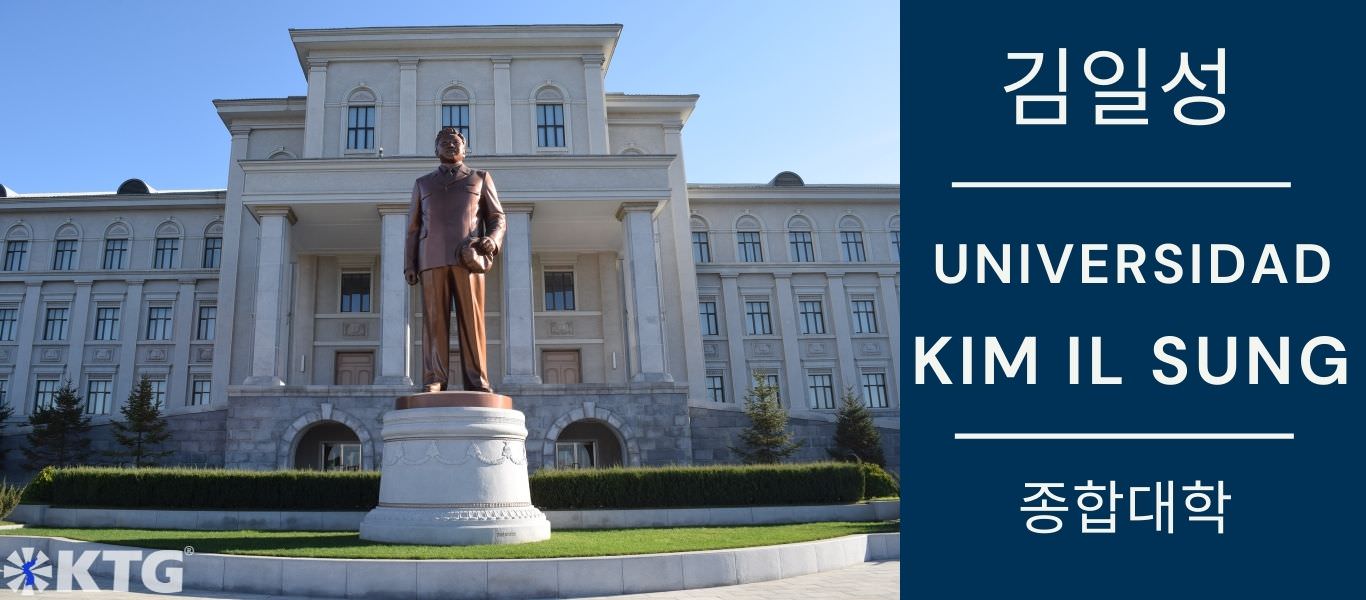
[(450, 149)]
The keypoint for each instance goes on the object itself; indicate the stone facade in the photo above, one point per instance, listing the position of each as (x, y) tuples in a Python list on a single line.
[(715, 431)]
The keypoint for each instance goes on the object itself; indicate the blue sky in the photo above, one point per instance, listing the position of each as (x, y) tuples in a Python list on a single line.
[(97, 92)]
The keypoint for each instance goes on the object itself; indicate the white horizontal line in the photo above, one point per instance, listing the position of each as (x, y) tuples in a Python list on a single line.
[(1123, 436), (1121, 184)]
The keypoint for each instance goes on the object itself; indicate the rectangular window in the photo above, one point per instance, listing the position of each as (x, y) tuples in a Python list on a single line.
[(64, 256), (865, 317), (550, 125), (44, 394), (159, 323), (167, 253), (896, 243), (457, 116), (9, 323), (54, 327), (813, 318), (115, 254), (559, 290), (355, 292), (16, 255), (341, 456), (4, 393), (158, 392), (360, 127), (213, 252), (706, 313), (802, 250), (771, 380), (750, 249), (757, 321), (201, 390), (852, 241), (208, 320), (107, 323), (716, 388), (875, 390), (99, 396), (701, 247), (820, 390), (576, 455)]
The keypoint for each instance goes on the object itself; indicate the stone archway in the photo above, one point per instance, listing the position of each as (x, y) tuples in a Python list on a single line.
[(289, 440), (591, 412)]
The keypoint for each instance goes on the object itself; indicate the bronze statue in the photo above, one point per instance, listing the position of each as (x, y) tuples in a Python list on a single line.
[(455, 228)]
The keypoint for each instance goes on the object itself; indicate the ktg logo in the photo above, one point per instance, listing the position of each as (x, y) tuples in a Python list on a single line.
[(29, 570)]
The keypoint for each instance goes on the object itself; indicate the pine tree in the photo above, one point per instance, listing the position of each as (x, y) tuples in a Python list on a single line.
[(854, 432), (766, 440), (61, 432), (142, 429)]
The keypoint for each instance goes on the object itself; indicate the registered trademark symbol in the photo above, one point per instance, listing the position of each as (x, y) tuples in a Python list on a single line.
[(189, 550)]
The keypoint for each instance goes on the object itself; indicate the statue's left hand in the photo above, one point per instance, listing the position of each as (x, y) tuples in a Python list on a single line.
[(485, 246)]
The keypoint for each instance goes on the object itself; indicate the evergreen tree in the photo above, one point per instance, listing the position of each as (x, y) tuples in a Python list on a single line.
[(142, 429), (854, 432), (766, 440), (61, 432), (6, 411)]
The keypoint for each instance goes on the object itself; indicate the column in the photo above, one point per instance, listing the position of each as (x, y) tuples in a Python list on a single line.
[(502, 105), (80, 315), (23, 353), (182, 328), (638, 220), (597, 104), (792, 357), (227, 269), (315, 109), (130, 318), (735, 342), (407, 106), (519, 331), (891, 318), (300, 361), (677, 241), (270, 279), (395, 341), (842, 325)]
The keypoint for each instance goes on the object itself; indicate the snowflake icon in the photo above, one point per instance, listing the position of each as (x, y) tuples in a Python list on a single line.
[(28, 570)]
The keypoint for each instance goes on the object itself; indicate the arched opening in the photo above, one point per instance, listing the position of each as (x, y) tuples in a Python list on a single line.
[(329, 446), (587, 444)]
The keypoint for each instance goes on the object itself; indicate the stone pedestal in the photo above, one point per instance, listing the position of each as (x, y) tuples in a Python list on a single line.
[(454, 473)]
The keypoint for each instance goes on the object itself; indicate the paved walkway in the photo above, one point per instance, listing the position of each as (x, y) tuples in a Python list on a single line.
[(867, 581)]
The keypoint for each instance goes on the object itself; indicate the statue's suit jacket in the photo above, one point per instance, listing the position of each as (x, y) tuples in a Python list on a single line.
[(446, 212)]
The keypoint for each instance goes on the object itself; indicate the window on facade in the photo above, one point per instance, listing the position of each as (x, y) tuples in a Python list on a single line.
[(9, 324), (812, 317), (16, 255), (706, 314), (341, 456), (716, 388), (771, 380), (875, 390), (208, 320), (115, 254), (159, 323), (757, 321), (896, 242), (820, 390), (213, 252), (355, 292), (200, 392), (107, 323), (576, 455), (701, 247), (167, 253), (852, 242), (44, 394), (865, 316), (54, 327), (457, 116), (360, 127), (64, 255), (158, 392), (550, 125), (4, 393), (559, 290), (99, 396), (750, 249), (800, 244)]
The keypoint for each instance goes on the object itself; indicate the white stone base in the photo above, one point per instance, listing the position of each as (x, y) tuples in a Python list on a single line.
[(454, 476)]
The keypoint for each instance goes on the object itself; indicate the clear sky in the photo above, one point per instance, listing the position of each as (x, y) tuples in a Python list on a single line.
[(92, 93)]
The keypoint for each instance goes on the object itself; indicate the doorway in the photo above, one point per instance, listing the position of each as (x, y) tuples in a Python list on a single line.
[(560, 366)]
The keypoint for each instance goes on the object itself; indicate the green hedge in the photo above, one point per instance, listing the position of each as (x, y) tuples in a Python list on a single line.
[(878, 483), (653, 487)]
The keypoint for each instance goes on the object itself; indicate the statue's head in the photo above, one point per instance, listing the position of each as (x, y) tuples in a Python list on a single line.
[(450, 145)]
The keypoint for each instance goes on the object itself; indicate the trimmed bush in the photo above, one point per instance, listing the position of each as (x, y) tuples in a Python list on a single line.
[(39, 491), (658, 487), (878, 483), (214, 488)]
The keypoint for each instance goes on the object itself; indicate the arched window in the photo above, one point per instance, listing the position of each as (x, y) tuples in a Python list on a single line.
[(701, 240), (17, 241), (116, 246), (281, 153), (455, 110), (800, 245), (213, 246), (851, 239), (551, 130), (361, 106), (632, 151), (748, 239), (65, 246), (166, 250), (894, 236)]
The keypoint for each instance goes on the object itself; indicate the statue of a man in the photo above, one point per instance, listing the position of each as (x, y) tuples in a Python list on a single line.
[(455, 228)]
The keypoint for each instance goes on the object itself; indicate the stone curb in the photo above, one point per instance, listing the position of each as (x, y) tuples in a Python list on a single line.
[(500, 579)]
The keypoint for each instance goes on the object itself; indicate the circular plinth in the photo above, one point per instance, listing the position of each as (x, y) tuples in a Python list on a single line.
[(453, 399)]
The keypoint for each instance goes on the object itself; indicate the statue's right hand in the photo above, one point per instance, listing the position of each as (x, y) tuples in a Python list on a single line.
[(410, 277)]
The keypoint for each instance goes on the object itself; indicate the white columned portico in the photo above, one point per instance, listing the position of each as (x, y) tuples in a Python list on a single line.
[(276, 222), (638, 222), (519, 331), (395, 335), (407, 106), (315, 108), (597, 104), (502, 105)]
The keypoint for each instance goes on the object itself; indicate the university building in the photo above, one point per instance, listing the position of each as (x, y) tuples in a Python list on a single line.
[(627, 311)]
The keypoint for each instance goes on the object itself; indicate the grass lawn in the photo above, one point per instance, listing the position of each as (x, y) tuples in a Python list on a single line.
[(331, 544)]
